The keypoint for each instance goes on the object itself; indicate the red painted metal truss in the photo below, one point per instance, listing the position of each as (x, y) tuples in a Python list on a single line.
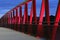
[(14, 18)]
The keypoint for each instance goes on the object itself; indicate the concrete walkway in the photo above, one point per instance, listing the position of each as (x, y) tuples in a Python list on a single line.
[(8, 34)]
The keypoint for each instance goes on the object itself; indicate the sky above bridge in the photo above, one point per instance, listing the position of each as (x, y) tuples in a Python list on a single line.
[(6, 5)]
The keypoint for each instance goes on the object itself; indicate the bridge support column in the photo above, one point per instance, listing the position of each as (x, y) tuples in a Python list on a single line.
[(57, 19), (40, 28), (16, 19), (32, 26), (8, 19), (20, 19), (47, 33), (30, 22), (44, 7), (13, 17), (34, 11), (25, 14), (47, 11), (25, 20), (20, 15)]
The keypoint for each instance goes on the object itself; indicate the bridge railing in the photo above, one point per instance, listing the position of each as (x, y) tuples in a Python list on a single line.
[(21, 22)]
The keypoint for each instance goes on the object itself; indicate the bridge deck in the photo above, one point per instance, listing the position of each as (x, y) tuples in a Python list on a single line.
[(8, 34)]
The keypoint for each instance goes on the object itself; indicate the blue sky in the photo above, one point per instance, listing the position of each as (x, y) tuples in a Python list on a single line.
[(6, 5)]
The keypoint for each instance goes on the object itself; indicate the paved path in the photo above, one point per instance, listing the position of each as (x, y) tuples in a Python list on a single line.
[(7, 34)]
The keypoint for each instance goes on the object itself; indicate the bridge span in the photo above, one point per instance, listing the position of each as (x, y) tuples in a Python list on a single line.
[(33, 25)]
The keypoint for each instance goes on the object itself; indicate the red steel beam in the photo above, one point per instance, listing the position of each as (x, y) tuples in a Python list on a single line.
[(47, 11), (47, 15), (30, 22), (34, 11), (8, 19), (16, 12), (20, 15), (25, 2), (31, 14), (45, 7), (13, 13), (40, 28), (17, 21), (11, 17), (25, 14), (25, 20), (57, 19)]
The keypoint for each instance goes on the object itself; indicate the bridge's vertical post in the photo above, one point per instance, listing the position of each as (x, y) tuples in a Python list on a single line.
[(13, 19), (17, 21), (20, 18), (57, 19), (25, 20), (40, 28), (4, 20), (8, 19), (31, 14), (25, 14), (30, 22), (34, 11), (47, 33), (13, 13), (47, 11), (34, 20), (20, 15), (17, 12)]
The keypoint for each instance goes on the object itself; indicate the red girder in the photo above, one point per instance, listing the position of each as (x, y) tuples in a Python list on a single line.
[(25, 14), (13, 17), (13, 13), (34, 11), (30, 22), (44, 7), (25, 2), (8, 19), (20, 15), (39, 29), (57, 19), (31, 14), (25, 18), (47, 11)]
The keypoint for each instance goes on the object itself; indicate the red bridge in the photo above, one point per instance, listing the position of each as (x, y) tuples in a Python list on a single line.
[(30, 24)]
